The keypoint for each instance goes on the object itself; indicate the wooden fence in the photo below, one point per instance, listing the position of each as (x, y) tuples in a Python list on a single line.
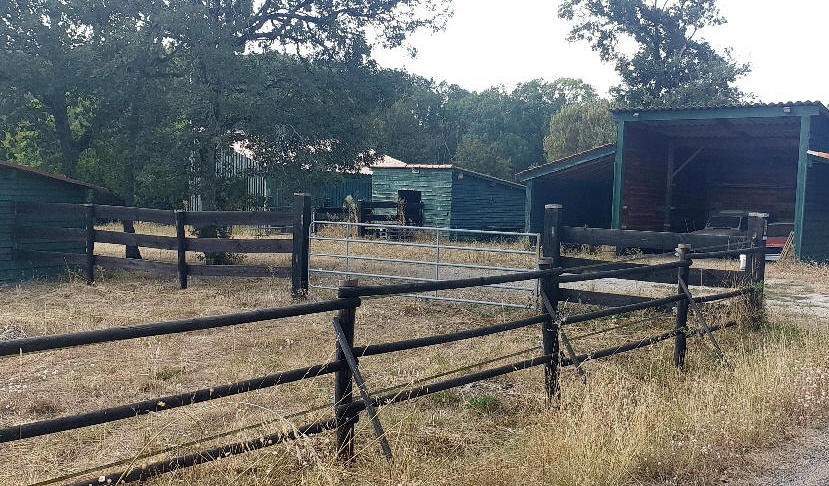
[(346, 408), (697, 247), (29, 215)]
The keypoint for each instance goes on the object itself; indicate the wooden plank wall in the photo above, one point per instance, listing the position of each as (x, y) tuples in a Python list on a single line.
[(815, 244), (645, 175), (753, 179), (16, 186), (435, 186), (482, 204)]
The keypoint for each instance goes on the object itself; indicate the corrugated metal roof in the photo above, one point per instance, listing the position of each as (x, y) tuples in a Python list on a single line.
[(388, 162), (590, 155), (57, 177), (720, 106)]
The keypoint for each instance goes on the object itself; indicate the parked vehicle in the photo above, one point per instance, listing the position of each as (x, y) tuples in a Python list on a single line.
[(726, 223), (778, 235)]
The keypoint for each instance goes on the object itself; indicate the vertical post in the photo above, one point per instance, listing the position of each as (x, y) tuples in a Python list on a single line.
[(756, 268), (342, 385), (669, 186), (358, 216), (551, 251), (89, 210), (550, 334), (181, 248), (680, 342), (551, 237), (301, 244)]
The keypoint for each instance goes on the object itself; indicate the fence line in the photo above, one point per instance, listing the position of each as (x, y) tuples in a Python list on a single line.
[(345, 408), (87, 215)]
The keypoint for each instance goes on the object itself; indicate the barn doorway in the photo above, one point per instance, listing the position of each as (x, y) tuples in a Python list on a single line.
[(411, 206)]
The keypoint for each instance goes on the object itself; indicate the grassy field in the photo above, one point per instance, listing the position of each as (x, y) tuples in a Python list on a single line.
[(636, 421)]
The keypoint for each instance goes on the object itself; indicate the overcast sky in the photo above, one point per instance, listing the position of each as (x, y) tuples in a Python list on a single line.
[(491, 42)]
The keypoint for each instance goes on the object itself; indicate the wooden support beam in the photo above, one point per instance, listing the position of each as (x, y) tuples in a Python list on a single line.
[(687, 161)]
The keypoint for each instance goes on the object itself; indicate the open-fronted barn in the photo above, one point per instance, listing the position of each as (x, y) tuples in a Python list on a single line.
[(21, 184), (449, 196), (583, 182), (675, 168)]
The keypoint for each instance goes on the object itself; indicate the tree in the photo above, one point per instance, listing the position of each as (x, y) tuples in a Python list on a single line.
[(579, 127), (672, 65)]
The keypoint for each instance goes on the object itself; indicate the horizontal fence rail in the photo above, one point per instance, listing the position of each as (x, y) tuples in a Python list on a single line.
[(82, 338)]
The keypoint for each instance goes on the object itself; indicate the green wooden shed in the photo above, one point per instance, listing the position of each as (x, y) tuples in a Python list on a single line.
[(673, 168), (24, 184), (451, 196)]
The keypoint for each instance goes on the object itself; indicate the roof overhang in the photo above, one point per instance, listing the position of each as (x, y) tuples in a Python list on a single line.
[(582, 159), (56, 177), (757, 110)]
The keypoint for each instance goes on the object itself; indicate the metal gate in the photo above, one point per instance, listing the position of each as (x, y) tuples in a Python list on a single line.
[(384, 253)]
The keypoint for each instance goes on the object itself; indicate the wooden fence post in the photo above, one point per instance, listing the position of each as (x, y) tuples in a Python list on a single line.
[(302, 242), (680, 342), (342, 385), (358, 210), (551, 251), (756, 265), (550, 335), (89, 210), (181, 248)]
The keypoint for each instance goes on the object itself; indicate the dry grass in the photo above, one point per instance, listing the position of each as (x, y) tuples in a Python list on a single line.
[(637, 420)]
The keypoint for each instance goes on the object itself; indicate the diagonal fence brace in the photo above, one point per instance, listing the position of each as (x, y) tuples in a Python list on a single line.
[(569, 347), (704, 327), (348, 352)]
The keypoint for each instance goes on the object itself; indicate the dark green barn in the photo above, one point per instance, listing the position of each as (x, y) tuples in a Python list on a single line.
[(673, 168), (25, 184), (451, 196)]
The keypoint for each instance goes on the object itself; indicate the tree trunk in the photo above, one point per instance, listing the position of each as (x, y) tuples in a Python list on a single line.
[(70, 152)]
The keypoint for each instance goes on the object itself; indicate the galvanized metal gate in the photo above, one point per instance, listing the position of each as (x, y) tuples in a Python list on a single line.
[(385, 253)]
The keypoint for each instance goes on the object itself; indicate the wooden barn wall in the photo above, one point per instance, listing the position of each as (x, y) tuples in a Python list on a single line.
[(815, 243), (16, 186), (332, 194), (435, 186), (690, 191), (587, 200), (483, 204), (753, 180), (819, 140), (645, 161)]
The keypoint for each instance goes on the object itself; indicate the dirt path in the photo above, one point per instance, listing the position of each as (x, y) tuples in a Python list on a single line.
[(801, 461)]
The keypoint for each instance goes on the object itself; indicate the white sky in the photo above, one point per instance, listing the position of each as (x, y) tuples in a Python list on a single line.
[(491, 42)]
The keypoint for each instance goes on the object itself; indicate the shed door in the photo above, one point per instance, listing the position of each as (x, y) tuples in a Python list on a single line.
[(412, 207)]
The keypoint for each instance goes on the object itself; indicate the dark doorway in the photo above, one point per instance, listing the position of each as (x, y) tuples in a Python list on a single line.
[(411, 206)]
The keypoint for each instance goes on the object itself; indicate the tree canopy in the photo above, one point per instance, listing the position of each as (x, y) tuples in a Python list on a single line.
[(672, 64)]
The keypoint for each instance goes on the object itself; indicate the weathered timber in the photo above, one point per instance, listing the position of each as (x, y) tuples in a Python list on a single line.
[(652, 240), (83, 338), (161, 404), (343, 396), (49, 233), (681, 326), (160, 216), (136, 239)]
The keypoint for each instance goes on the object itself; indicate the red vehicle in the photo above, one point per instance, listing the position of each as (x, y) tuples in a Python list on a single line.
[(777, 236)]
